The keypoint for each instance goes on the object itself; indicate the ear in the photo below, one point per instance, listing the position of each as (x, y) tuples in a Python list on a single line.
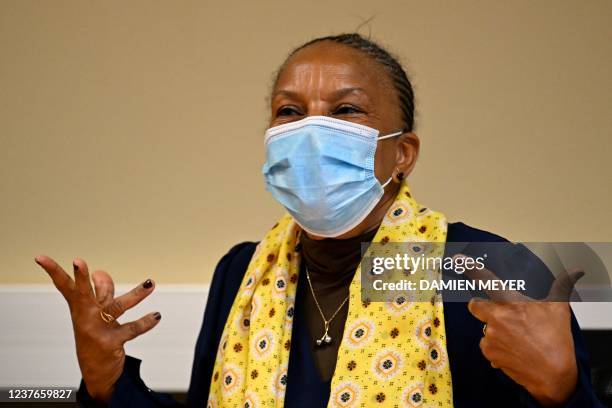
[(408, 146)]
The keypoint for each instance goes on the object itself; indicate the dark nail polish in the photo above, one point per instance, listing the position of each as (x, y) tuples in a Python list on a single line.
[(400, 176), (157, 315), (36, 260), (147, 284), (76, 268)]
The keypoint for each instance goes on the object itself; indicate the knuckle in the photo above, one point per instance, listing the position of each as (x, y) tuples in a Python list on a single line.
[(134, 329), (473, 307), (138, 291), (495, 316), (485, 347), (491, 332), (115, 308), (105, 299)]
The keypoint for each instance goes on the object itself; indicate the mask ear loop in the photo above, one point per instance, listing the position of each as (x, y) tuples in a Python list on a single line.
[(401, 132), (391, 135), (387, 182)]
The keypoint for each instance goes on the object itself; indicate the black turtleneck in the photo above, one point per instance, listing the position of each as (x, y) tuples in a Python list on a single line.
[(331, 264)]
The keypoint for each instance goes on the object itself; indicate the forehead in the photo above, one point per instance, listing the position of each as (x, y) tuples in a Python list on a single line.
[(328, 65)]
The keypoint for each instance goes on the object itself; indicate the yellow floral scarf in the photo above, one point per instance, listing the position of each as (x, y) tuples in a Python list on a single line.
[(392, 354)]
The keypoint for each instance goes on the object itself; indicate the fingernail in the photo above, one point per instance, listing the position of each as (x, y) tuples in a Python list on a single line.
[(157, 315), (36, 260), (75, 266), (147, 284)]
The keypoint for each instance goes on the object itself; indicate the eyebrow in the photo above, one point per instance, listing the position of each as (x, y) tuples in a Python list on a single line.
[(337, 94), (346, 91)]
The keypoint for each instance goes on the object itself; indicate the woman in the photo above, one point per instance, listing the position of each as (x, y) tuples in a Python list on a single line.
[(285, 323)]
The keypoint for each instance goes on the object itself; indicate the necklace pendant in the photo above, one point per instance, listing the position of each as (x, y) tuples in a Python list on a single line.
[(326, 338)]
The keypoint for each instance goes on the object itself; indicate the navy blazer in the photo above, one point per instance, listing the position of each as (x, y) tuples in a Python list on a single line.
[(475, 382)]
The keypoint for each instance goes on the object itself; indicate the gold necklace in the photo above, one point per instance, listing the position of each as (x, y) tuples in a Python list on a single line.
[(326, 338)]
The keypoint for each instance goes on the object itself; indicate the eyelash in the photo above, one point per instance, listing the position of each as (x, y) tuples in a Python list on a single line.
[(291, 110), (353, 109)]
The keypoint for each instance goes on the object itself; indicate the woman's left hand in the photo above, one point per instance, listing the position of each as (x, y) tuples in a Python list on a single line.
[(531, 340)]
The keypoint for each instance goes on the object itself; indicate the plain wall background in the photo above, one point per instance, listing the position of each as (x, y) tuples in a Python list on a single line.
[(131, 133)]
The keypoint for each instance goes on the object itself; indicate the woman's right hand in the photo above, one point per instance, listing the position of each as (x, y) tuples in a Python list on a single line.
[(99, 344)]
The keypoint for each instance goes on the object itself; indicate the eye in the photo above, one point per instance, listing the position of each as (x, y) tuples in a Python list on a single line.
[(347, 110), (287, 111)]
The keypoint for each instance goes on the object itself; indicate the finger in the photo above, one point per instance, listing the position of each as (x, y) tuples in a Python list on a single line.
[(485, 345), (81, 278), (104, 287), (562, 287), (487, 349), (485, 275), (481, 308), (62, 281), (131, 330), (130, 299)]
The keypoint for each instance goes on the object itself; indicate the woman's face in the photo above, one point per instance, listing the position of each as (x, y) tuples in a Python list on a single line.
[(330, 79)]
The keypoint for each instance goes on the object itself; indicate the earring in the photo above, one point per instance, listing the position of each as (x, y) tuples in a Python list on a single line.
[(400, 176)]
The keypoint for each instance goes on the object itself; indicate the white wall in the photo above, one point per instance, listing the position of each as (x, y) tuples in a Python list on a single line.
[(37, 348)]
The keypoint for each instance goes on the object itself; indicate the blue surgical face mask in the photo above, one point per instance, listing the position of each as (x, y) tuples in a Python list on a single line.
[(321, 170)]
